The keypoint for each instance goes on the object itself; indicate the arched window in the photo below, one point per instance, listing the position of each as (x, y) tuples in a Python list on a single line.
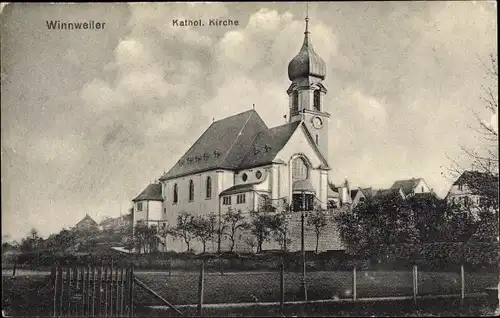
[(295, 103), (299, 169), (317, 100), (176, 195), (191, 190), (209, 187)]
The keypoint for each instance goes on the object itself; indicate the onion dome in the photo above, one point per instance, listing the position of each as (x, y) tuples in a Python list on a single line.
[(306, 63)]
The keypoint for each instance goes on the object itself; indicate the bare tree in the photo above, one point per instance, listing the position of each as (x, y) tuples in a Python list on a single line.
[(483, 179), (317, 219), (234, 222), (184, 228), (204, 228)]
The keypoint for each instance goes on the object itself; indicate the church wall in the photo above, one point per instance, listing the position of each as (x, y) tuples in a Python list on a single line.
[(299, 144), (200, 205)]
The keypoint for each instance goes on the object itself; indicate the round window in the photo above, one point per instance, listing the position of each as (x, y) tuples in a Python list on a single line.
[(244, 177), (258, 174)]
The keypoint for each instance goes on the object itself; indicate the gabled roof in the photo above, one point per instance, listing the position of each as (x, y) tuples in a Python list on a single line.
[(237, 142), (87, 219), (367, 192), (240, 188), (267, 144), (151, 193), (406, 185), (479, 182), (473, 177), (353, 193), (384, 192)]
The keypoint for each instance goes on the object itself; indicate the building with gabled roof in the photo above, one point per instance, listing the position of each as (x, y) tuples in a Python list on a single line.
[(412, 186), (474, 190), (239, 163), (86, 223)]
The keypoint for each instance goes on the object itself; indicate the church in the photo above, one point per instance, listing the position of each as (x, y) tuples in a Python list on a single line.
[(239, 162)]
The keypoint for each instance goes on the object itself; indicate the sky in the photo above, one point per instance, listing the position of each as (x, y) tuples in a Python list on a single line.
[(90, 117)]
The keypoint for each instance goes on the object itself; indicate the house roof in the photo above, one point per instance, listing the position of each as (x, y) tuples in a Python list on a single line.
[(151, 193), (237, 142), (384, 192), (478, 181), (240, 188), (367, 192), (353, 193), (406, 185), (86, 219)]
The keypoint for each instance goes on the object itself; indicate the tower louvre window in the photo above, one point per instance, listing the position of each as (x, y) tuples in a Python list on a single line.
[(317, 100), (295, 103), (317, 139)]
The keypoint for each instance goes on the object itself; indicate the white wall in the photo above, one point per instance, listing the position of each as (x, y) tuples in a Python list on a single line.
[(422, 187), (151, 210), (300, 144), (201, 205)]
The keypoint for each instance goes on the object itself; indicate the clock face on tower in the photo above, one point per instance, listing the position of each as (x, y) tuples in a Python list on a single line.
[(317, 122)]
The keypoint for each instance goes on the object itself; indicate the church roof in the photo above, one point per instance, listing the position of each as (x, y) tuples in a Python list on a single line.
[(151, 193), (237, 142)]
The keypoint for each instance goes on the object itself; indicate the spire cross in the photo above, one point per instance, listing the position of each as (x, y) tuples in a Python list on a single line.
[(307, 17)]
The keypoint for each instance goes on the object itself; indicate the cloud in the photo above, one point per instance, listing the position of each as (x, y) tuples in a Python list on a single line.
[(89, 119)]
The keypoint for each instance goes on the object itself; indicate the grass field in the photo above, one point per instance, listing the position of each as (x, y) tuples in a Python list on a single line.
[(32, 295)]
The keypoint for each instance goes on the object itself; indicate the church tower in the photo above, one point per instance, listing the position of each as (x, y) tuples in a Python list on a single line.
[(306, 93)]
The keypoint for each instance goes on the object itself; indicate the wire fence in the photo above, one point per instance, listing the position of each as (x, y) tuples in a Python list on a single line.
[(209, 287)]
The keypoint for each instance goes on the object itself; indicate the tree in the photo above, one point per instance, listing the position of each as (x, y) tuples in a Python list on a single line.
[(375, 224), (279, 225), (317, 219), (145, 237), (260, 228), (234, 222), (184, 228), (204, 228), (430, 217), (484, 157)]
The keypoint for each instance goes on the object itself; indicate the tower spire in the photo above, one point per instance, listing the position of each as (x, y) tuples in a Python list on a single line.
[(307, 18)]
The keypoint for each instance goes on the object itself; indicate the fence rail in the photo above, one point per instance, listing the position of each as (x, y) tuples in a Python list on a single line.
[(457, 291), (92, 291)]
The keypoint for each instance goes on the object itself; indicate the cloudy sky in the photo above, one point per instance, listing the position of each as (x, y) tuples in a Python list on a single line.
[(89, 118)]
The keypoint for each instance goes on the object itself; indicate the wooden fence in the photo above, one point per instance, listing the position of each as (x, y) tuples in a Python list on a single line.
[(93, 291)]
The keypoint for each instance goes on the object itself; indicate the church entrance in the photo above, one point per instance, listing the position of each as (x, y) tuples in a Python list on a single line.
[(303, 201)]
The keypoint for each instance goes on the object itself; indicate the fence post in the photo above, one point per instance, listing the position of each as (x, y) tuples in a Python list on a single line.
[(68, 288), (282, 285), (200, 288), (14, 270), (462, 281), (415, 284), (53, 275), (354, 292), (132, 292)]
